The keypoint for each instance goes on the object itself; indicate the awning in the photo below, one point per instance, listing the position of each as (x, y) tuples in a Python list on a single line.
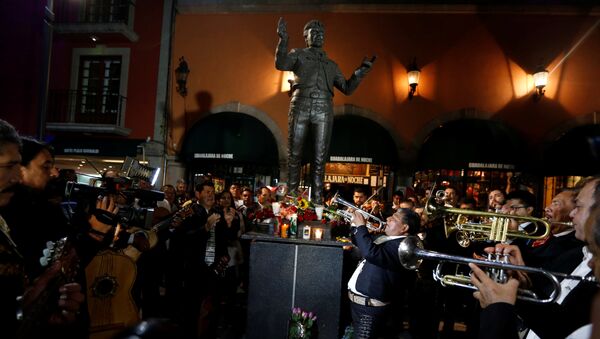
[(230, 137), (102, 147), (472, 143), (576, 152), (361, 140)]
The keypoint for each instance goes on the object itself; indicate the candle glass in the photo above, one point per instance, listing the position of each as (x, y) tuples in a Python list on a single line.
[(319, 212), (318, 234)]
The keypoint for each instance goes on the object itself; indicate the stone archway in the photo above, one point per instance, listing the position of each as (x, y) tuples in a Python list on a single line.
[(404, 153)]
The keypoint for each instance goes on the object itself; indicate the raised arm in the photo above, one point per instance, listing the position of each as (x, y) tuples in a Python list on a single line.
[(284, 61)]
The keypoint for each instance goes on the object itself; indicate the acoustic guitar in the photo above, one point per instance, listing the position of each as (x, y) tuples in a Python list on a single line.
[(37, 302), (111, 275)]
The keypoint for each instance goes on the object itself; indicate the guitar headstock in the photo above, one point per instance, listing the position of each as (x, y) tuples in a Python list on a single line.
[(61, 251)]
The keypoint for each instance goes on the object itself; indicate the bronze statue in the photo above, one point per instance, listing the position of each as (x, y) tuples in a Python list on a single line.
[(311, 105)]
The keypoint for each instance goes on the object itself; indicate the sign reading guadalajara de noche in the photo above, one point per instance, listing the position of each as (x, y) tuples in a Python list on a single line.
[(347, 179), (213, 155), (491, 165), (337, 158)]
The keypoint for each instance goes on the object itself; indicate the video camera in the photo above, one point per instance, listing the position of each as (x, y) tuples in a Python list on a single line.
[(136, 204)]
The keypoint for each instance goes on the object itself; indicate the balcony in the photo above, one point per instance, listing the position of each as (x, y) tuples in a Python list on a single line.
[(103, 18), (85, 111)]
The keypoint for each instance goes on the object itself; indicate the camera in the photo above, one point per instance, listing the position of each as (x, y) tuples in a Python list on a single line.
[(136, 206)]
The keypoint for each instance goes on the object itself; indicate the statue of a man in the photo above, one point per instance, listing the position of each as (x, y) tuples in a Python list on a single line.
[(311, 106)]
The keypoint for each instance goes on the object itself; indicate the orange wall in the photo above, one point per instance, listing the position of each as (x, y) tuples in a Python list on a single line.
[(466, 60)]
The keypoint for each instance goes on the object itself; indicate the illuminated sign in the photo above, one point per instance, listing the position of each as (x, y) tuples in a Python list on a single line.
[(490, 165), (347, 179), (81, 151), (213, 155), (338, 158)]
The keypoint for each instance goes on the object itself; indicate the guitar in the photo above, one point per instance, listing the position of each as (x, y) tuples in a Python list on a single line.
[(37, 301), (111, 275), (187, 209)]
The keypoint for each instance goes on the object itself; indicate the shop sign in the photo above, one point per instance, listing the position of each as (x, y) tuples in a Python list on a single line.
[(490, 165), (81, 150), (213, 155), (346, 179), (338, 158)]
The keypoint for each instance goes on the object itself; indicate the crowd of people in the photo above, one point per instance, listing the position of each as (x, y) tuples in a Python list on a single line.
[(191, 265)]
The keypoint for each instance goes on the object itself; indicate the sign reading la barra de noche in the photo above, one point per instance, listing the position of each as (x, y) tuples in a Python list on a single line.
[(347, 179), (213, 155), (491, 165), (338, 158)]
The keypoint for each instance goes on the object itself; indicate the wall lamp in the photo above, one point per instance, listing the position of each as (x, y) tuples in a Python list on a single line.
[(181, 75), (413, 78), (540, 80)]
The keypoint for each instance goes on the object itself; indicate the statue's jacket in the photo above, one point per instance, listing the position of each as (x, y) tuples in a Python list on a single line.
[(307, 64)]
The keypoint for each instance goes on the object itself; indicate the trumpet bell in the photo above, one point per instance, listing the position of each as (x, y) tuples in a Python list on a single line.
[(406, 252)]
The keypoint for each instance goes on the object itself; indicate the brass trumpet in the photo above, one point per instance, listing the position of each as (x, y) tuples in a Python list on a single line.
[(411, 254), (496, 229), (371, 219)]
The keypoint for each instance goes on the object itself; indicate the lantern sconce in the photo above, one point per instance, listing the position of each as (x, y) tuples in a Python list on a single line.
[(413, 78), (181, 75), (540, 80)]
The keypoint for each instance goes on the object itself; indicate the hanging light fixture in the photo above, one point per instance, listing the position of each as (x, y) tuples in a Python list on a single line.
[(413, 78), (540, 80), (181, 74)]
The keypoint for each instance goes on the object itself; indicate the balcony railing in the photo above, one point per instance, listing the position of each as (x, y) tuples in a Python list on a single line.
[(92, 11), (96, 17), (85, 107)]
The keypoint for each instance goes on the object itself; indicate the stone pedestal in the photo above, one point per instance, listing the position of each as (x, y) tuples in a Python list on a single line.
[(288, 273)]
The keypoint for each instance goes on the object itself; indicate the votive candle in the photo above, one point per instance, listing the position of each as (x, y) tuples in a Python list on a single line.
[(318, 233)]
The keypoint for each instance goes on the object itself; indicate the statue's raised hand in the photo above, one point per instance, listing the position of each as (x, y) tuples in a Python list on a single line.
[(282, 29), (365, 66)]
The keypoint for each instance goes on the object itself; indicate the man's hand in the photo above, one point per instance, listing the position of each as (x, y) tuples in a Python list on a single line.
[(512, 251), (229, 215), (69, 301), (489, 291), (514, 256), (358, 219), (107, 206), (282, 29), (365, 66), (213, 219)]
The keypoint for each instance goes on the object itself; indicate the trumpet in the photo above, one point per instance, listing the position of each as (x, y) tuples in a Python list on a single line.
[(564, 223), (411, 254), (371, 219), (496, 229)]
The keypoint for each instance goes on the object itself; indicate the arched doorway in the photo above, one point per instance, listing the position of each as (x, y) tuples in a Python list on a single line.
[(569, 157), (473, 155), (231, 147)]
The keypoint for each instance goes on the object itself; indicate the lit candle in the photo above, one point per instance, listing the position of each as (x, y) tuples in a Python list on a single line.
[(318, 233)]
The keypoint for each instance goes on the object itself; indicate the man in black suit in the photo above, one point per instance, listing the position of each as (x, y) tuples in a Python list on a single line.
[(379, 277), (198, 244), (315, 76)]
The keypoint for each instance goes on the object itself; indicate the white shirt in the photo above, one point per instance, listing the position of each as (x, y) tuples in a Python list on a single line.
[(566, 286)]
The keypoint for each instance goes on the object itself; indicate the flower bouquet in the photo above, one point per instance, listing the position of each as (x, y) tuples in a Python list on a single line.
[(301, 324)]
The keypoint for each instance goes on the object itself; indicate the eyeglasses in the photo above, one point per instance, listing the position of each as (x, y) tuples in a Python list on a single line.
[(514, 208), (10, 165)]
